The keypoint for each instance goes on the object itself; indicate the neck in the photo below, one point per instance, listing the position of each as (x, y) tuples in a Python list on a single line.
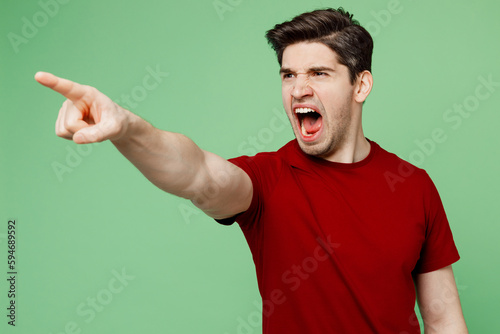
[(353, 148)]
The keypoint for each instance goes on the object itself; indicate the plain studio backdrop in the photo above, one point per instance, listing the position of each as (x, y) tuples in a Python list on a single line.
[(101, 250)]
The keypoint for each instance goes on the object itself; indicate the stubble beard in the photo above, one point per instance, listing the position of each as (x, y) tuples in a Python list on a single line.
[(333, 136)]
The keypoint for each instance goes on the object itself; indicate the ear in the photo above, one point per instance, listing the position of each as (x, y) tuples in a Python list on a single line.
[(363, 86)]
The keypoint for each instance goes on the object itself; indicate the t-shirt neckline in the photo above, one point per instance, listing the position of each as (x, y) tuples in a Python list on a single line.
[(337, 165)]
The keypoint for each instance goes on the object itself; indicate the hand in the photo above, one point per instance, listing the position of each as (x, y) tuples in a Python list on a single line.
[(87, 116)]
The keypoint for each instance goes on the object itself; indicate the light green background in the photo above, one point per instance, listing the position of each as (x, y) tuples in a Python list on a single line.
[(192, 275)]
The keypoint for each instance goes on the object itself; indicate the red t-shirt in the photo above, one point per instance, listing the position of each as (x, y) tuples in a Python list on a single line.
[(335, 245)]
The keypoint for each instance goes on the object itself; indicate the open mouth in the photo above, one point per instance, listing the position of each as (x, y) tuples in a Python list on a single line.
[(309, 122)]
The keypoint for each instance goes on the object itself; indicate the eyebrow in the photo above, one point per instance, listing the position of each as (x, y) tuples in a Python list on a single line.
[(311, 69)]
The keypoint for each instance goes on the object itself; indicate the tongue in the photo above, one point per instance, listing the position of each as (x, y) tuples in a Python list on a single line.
[(312, 123)]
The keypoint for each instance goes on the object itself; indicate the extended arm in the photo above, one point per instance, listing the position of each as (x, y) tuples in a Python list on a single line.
[(169, 160), (439, 302)]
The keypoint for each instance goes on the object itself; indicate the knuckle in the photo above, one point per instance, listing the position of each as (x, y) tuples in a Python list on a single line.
[(92, 91), (68, 124), (65, 106), (63, 133)]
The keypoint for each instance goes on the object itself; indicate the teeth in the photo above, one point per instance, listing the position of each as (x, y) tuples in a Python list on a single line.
[(304, 132), (304, 110)]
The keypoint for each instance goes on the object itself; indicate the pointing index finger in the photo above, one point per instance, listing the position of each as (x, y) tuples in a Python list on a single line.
[(71, 90)]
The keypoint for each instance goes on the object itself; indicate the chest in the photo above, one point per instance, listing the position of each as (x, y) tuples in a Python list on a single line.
[(369, 226)]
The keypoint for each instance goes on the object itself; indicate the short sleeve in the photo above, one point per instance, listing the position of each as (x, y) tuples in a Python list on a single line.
[(263, 170), (439, 249)]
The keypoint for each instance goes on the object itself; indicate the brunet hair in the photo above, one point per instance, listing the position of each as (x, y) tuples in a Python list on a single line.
[(334, 28)]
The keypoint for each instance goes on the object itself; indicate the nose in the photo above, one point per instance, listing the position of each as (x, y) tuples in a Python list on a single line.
[(301, 86)]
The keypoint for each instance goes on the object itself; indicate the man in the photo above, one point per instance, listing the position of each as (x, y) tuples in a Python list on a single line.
[(339, 247)]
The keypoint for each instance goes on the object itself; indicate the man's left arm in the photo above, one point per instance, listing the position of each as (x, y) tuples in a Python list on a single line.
[(439, 303)]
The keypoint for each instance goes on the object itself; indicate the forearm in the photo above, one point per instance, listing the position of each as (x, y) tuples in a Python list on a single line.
[(439, 302), (175, 164), (169, 160)]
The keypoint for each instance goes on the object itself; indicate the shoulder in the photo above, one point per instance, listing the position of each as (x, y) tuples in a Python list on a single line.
[(399, 172), (265, 166), (272, 157)]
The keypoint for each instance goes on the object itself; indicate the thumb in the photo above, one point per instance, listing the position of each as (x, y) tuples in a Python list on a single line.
[(89, 134), (95, 133)]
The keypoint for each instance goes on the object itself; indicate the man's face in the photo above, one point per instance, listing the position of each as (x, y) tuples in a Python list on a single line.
[(317, 96)]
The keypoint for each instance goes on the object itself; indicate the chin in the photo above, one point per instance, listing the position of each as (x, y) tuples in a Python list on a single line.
[(318, 149)]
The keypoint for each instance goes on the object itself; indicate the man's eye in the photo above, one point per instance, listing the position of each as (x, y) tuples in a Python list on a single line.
[(320, 74), (287, 75)]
